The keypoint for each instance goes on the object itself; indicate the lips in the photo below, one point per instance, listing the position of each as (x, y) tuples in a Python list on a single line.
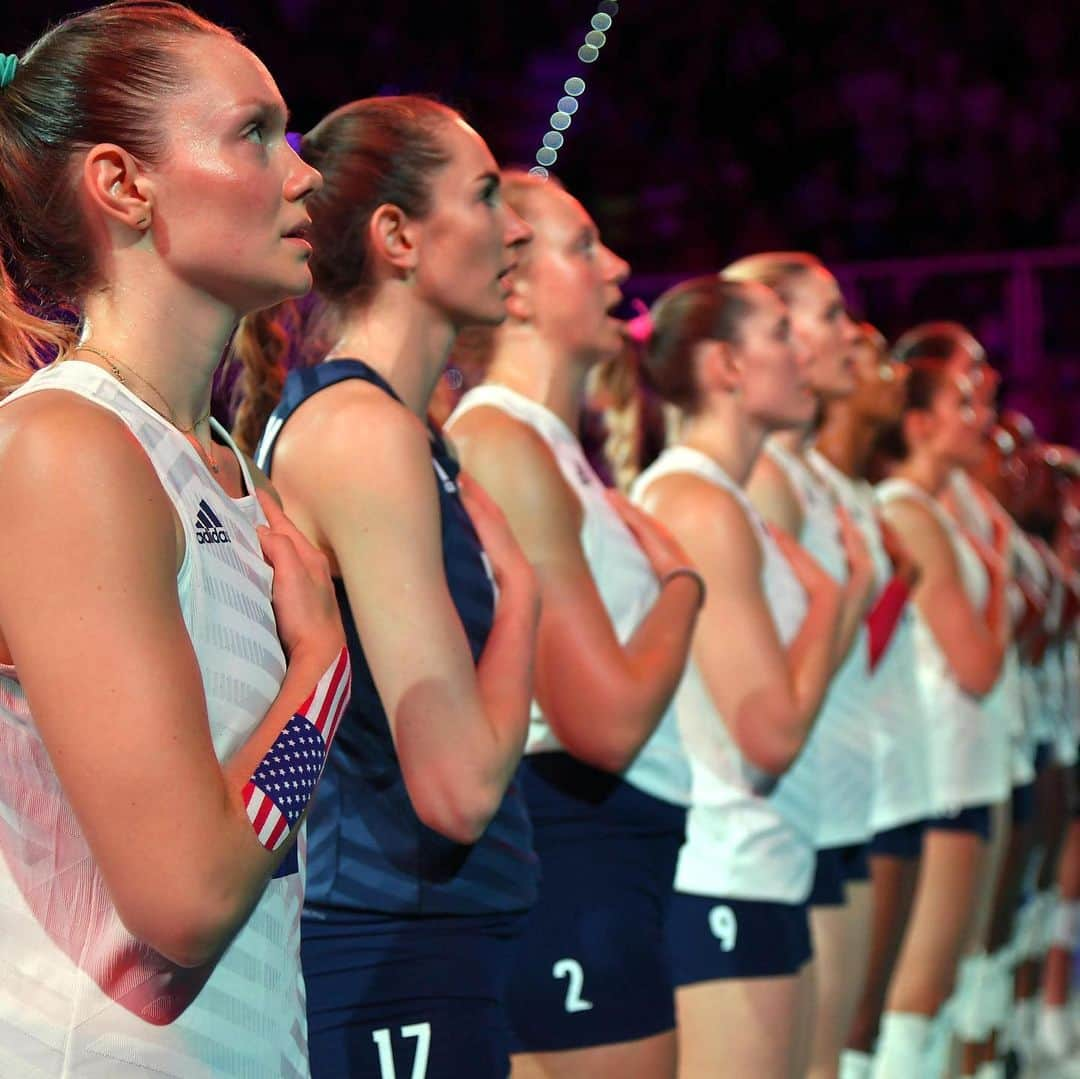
[(300, 232)]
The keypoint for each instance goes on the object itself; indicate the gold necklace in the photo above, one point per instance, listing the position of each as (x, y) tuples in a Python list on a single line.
[(114, 366)]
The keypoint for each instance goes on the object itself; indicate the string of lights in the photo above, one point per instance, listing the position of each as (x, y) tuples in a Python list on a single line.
[(574, 87)]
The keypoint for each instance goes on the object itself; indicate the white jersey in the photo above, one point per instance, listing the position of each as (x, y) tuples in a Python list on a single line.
[(79, 995), (899, 724), (842, 741), (1004, 704), (968, 766), (623, 577), (740, 843)]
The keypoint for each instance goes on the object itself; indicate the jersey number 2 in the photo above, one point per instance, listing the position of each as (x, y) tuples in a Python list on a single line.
[(382, 1038), (571, 970)]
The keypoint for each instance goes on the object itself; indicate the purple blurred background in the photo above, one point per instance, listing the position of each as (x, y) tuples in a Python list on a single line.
[(929, 152)]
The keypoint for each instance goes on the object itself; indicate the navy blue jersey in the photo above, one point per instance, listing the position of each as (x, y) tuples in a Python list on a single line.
[(368, 851)]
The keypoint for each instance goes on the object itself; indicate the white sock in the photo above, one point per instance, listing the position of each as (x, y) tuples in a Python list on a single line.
[(901, 1046), (992, 1069), (1054, 1034), (1027, 1020), (854, 1065), (1065, 926), (939, 1046)]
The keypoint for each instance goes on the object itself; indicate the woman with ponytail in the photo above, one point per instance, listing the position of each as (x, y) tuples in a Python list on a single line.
[(605, 777), (421, 865), (961, 635), (165, 633), (762, 655), (834, 779), (896, 725)]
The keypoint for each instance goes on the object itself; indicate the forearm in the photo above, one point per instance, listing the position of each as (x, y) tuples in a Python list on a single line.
[(505, 684), (811, 656), (657, 651), (852, 610), (219, 865)]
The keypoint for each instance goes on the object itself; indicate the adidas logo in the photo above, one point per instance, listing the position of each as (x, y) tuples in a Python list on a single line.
[(208, 527)]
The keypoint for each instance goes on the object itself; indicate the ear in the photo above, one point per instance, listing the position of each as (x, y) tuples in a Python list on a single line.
[(394, 237), (718, 367), (116, 185)]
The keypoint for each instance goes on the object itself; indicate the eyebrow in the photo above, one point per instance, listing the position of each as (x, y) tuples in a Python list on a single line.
[(265, 107)]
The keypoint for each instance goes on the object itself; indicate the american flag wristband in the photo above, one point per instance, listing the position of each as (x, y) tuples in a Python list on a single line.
[(278, 793)]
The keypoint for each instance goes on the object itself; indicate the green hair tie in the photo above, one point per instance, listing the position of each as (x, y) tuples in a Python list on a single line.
[(8, 63)]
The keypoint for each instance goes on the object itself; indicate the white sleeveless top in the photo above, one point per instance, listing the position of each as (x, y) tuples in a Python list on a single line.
[(898, 724), (623, 577), (740, 843), (1039, 718), (843, 752), (969, 765), (79, 995), (1004, 703)]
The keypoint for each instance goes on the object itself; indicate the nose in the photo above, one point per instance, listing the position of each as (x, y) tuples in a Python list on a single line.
[(801, 351), (617, 269), (850, 330), (303, 180), (518, 231)]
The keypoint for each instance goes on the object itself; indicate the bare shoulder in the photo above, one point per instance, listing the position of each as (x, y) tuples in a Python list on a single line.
[(703, 515), (511, 460), (352, 422), (916, 524), (769, 488), (56, 443)]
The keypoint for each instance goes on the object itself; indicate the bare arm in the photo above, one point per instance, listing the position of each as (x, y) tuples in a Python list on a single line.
[(603, 699), (123, 716), (357, 467), (767, 694), (770, 490), (772, 494), (972, 641)]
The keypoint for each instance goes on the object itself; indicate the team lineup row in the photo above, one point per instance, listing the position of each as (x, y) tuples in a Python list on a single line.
[(410, 747)]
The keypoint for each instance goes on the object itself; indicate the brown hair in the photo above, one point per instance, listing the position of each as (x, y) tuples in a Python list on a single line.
[(370, 152), (701, 309), (97, 77), (926, 379), (934, 341)]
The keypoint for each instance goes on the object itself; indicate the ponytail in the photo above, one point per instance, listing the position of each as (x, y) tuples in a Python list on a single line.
[(260, 347), (26, 341)]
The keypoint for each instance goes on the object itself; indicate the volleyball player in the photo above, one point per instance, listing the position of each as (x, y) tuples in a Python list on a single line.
[(165, 633)]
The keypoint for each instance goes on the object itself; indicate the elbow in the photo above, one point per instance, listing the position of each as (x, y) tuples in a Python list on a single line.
[(771, 743), (774, 760), (461, 816), (978, 674), (614, 757), (191, 935), (976, 681)]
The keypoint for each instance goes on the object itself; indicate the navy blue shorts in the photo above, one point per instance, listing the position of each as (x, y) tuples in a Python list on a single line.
[(975, 819), (714, 940), (593, 968), (828, 887), (904, 841), (386, 993), (854, 864), (1044, 756), (1023, 804)]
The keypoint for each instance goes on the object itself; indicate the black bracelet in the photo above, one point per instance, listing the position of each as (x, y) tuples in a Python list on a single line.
[(687, 571)]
